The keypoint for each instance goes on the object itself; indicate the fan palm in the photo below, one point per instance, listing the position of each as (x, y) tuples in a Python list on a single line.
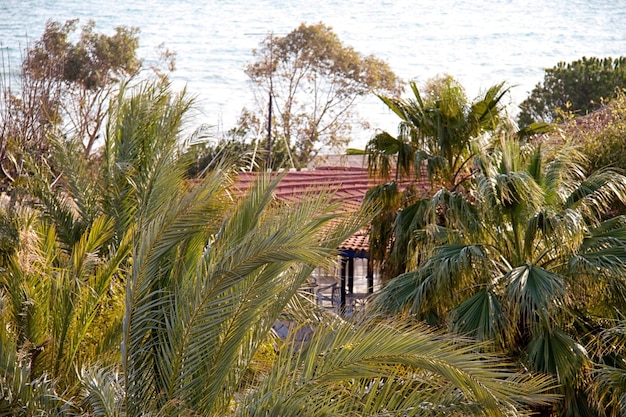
[(437, 130), (437, 133), (530, 259), (609, 375)]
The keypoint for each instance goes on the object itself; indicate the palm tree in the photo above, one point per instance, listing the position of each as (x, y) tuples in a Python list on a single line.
[(437, 130), (438, 133), (164, 303), (609, 375), (532, 259), (144, 137), (66, 250), (388, 367), (61, 310), (205, 290), (201, 302)]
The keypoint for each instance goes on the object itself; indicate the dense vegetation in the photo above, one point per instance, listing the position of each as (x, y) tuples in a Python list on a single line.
[(600, 134), (578, 87), (128, 292), (520, 244), (127, 289)]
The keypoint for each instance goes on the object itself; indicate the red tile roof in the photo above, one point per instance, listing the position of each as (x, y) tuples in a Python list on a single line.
[(358, 243), (349, 185)]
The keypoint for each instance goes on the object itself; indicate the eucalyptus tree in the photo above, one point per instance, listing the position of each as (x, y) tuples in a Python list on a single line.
[(64, 88), (313, 82), (84, 72), (532, 259)]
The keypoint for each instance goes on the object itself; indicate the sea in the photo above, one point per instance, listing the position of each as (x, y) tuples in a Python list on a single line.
[(479, 42)]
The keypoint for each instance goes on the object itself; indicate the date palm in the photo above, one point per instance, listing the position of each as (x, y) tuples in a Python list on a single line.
[(532, 259), (66, 251), (201, 300), (60, 310)]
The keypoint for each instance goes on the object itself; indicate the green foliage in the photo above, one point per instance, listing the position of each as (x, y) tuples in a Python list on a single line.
[(579, 87), (58, 299), (314, 82), (530, 259), (601, 134), (437, 129), (63, 279), (610, 372), (161, 305), (437, 136), (65, 172), (143, 137), (393, 368), (240, 147), (213, 306), (93, 62), (207, 156), (64, 89)]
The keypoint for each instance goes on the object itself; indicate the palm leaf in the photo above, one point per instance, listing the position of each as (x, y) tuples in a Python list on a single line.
[(371, 368), (480, 316), (534, 292), (226, 301), (553, 351)]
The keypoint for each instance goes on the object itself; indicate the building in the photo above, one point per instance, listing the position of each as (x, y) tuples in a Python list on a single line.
[(346, 284)]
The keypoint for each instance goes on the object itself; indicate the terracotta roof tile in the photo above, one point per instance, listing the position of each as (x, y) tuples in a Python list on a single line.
[(349, 185)]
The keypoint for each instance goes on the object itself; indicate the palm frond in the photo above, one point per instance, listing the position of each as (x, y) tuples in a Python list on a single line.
[(227, 300), (438, 283), (22, 393), (534, 292), (553, 351), (102, 393), (597, 193), (480, 316), (140, 149), (610, 391), (383, 368)]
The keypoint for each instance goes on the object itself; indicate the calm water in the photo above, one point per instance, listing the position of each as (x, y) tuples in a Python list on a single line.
[(480, 42)]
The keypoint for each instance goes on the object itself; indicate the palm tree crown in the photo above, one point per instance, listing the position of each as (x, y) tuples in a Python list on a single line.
[(529, 258)]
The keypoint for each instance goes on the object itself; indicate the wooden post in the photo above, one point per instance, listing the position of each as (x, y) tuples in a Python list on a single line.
[(370, 276), (342, 291), (351, 275)]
